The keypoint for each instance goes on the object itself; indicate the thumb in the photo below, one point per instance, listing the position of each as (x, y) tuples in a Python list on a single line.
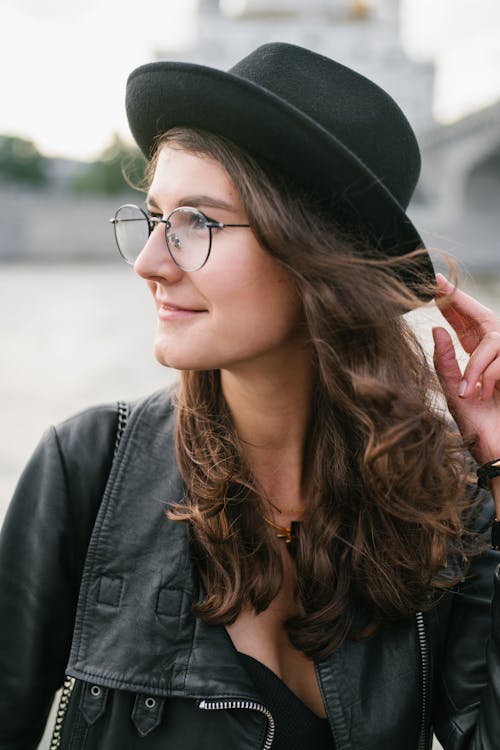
[(445, 362)]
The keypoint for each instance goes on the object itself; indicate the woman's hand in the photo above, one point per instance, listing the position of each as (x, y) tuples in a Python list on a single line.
[(473, 396)]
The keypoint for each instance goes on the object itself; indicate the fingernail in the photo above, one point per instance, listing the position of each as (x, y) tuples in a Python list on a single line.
[(462, 388)]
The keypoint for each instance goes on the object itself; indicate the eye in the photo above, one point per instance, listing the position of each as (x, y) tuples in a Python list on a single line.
[(198, 220), (214, 223), (153, 214)]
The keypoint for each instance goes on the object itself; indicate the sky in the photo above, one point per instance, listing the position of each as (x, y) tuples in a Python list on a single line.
[(59, 58), (462, 38)]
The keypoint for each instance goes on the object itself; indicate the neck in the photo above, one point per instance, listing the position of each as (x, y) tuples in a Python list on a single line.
[(271, 408)]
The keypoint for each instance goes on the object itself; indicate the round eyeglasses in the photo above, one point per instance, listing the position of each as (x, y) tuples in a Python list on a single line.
[(188, 233)]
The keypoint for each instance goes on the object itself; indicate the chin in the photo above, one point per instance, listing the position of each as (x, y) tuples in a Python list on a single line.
[(168, 357), (162, 358)]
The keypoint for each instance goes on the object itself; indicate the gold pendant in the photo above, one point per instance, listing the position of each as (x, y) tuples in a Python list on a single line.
[(286, 534)]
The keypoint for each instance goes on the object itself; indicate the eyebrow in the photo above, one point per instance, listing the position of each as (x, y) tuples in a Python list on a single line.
[(195, 201)]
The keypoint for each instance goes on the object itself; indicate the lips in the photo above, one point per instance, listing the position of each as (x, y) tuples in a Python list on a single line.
[(172, 306), (170, 312)]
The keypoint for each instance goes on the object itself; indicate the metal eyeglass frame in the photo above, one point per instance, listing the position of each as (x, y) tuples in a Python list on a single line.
[(154, 220)]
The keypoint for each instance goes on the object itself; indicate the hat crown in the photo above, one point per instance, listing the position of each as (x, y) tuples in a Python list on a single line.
[(349, 106)]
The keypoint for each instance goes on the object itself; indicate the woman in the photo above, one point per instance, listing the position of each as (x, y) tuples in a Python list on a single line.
[(287, 551)]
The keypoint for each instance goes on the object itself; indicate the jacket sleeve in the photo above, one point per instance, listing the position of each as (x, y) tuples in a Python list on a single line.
[(43, 545), (467, 710)]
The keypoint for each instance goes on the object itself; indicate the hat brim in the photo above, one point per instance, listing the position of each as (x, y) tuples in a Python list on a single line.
[(164, 95)]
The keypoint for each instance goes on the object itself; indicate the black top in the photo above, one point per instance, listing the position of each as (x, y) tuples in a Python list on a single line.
[(297, 727)]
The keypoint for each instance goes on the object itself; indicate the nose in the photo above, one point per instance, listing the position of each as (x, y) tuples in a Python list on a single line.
[(154, 260)]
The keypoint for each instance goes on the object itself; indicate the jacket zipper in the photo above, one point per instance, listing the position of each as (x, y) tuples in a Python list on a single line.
[(250, 705), (62, 708), (424, 660)]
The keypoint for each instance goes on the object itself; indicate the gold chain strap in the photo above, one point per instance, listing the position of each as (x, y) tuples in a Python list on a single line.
[(68, 686)]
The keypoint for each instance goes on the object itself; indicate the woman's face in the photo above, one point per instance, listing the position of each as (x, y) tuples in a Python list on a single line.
[(241, 306)]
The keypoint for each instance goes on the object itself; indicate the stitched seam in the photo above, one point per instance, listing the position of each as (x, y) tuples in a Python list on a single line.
[(115, 683), (94, 548), (117, 596), (109, 497), (70, 507)]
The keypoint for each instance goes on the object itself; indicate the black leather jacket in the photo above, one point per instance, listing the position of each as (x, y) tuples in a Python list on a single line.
[(147, 673)]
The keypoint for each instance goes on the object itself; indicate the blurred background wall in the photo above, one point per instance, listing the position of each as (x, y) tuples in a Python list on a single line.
[(63, 97), (76, 327)]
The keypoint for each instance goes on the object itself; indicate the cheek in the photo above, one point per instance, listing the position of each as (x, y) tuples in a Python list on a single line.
[(268, 306)]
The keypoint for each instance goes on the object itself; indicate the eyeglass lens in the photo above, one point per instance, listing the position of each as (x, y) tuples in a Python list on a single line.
[(131, 231), (187, 235)]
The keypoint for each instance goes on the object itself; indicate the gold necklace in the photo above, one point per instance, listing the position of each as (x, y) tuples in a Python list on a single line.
[(286, 533), (282, 510)]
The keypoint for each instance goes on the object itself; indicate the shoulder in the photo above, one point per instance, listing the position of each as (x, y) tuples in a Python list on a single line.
[(94, 428), (84, 443), (74, 456), (90, 428)]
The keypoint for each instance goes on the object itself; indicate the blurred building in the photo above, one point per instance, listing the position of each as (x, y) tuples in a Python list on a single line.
[(363, 34), (456, 203)]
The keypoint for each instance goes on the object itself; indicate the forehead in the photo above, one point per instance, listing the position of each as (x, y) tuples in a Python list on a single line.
[(179, 172)]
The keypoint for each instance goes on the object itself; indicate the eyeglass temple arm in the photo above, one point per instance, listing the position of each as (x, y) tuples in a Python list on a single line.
[(150, 219), (157, 220), (222, 225)]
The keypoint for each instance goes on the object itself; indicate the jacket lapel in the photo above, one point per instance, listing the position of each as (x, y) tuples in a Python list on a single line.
[(134, 628)]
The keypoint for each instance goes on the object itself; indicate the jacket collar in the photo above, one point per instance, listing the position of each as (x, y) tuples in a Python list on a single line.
[(134, 628)]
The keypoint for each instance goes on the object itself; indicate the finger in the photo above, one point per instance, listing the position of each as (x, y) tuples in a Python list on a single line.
[(483, 366), (467, 332), (490, 380), (445, 362), (445, 300), (466, 315)]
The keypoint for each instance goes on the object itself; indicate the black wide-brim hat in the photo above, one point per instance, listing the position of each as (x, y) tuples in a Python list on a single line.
[(331, 130)]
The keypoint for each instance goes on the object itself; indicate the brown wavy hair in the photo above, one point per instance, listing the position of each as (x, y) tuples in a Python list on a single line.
[(387, 473)]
